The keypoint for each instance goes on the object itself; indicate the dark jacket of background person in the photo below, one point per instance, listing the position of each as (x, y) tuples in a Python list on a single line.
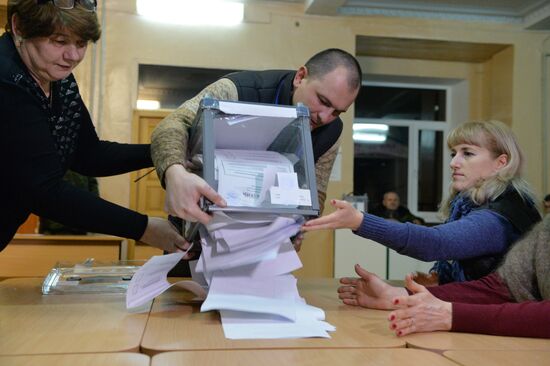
[(401, 214), (35, 157)]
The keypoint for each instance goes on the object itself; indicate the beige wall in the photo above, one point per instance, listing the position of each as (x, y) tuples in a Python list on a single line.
[(280, 36)]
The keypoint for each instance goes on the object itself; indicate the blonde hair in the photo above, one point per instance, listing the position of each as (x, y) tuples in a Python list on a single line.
[(496, 137)]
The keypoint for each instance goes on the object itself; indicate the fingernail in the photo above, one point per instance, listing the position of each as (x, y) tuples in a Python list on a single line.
[(399, 333), (392, 317), (393, 326), (396, 301)]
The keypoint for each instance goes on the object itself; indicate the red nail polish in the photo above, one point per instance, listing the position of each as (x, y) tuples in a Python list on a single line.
[(399, 333), (392, 317), (393, 326), (396, 301)]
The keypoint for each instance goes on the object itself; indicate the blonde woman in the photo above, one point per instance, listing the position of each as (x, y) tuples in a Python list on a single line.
[(489, 207)]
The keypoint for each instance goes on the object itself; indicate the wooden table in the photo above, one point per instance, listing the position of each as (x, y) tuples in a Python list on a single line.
[(317, 357), (32, 323), (177, 325), (34, 255), (111, 359), (444, 341), (499, 358)]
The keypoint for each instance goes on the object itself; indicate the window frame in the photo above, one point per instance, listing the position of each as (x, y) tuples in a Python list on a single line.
[(415, 126)]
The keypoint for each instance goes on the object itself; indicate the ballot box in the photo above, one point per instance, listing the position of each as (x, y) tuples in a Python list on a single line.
[(259, 157)]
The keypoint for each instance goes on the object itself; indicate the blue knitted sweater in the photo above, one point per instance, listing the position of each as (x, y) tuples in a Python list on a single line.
[(480, 232)]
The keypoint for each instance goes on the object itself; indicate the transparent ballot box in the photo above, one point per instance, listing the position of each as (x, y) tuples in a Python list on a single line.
[(90, 276), (259, 157)]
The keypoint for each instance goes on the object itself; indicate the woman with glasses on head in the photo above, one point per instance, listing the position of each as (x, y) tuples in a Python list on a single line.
[(45, 128), (489, 207)]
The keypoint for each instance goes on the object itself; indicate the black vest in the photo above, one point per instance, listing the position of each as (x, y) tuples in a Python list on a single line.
[(521, 214), (275, 87)]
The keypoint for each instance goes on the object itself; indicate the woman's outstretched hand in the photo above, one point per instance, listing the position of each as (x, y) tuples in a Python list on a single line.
[(368, 291), (345, 216)]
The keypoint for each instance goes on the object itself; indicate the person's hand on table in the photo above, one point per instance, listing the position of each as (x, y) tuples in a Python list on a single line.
[(345, 216), (420, 312), (368, 291), (183, 192)]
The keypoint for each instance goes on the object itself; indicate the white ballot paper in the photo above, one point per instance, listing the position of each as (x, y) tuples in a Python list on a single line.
[(245, 176), (246, 260), (150, 280), (308, 323)]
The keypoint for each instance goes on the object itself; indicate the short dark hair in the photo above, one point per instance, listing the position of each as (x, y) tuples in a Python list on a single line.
[(547, 197), (43, 20), (325, 61)]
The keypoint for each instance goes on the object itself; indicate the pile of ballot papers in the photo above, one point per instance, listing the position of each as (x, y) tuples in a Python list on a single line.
[(244, 272)]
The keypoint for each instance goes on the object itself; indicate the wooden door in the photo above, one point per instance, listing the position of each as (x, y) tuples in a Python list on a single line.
[(146, 195)]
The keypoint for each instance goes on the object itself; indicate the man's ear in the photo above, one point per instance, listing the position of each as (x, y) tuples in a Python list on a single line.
[(301, 74)]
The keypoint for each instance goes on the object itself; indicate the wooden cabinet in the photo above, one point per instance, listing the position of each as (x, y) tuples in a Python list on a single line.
[(34, 255), (143, 251), (30, 226)]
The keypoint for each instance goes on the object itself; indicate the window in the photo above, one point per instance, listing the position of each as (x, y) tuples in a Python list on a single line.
[(399, 143), (170, 86)]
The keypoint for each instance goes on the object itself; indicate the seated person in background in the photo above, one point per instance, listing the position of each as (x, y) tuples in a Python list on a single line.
[(512, 301), (489, 207), (546, 204), (392, 210), (88, 184)]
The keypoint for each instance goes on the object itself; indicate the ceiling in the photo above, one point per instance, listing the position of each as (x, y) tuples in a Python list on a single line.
[(530, 14), (425, 49)]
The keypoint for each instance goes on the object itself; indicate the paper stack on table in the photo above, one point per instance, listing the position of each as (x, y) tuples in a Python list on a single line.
[(246, 261)]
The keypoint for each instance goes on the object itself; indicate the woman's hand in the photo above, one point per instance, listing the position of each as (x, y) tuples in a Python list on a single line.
[(160, 233), (420, 312), (368, 291), (345, 216), (183, 192)]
